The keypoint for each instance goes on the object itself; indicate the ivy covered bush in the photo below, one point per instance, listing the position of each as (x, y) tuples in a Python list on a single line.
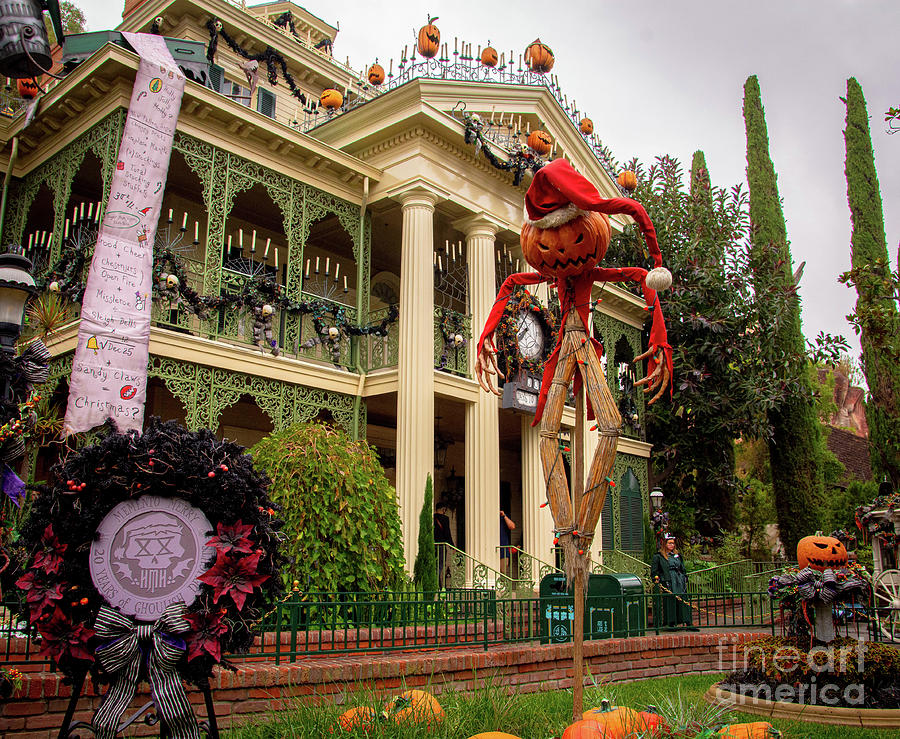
[(341, 521)]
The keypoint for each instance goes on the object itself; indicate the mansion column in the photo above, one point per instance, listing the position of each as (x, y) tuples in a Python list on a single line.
[(415, 394), (482, 417)]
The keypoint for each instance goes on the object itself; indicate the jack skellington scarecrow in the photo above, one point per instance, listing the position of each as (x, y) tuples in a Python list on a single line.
[(564, 238)]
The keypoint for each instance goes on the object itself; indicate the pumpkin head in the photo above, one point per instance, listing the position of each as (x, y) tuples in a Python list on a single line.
[(429, 41), (539, 57), (361, 717), (627, 179), (489, 56), (375, 74), (331, 99), (569, 249), (586, 126), (540, 141), (753, 730), (414, 707), (584, 729), (27, 87), (821, 552)]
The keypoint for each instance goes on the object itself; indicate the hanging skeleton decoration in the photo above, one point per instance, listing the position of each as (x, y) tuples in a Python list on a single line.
[(564, 239)]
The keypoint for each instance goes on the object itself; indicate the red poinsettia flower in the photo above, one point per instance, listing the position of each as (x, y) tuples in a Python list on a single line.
[(207, 628), (50, 556), (233, 576), (232, 538), (61, 638), (40, 592)]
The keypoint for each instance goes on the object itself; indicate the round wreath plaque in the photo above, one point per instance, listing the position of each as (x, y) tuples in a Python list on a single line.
[(148, 554)]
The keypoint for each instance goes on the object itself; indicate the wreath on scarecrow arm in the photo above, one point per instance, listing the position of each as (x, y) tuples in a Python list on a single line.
[(508, 353), (239, 559)]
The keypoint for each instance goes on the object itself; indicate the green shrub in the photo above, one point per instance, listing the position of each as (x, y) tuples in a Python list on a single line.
[(425, 567), (341, 521)]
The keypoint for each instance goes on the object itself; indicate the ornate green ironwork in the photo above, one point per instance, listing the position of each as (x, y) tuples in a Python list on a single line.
[(447, 355), (638, 466), (381, 351), (611, 330)]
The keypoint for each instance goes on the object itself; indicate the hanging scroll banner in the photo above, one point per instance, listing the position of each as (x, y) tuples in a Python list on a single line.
[(109, 372)]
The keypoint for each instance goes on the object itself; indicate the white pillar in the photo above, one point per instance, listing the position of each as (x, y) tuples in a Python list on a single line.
[(538, 521), (415, 394), (482, 417)]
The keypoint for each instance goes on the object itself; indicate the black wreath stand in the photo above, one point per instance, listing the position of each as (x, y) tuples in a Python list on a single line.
[(150, 718)]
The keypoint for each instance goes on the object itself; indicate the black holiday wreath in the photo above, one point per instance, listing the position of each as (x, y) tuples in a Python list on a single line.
[(243, 577), (510, 359)]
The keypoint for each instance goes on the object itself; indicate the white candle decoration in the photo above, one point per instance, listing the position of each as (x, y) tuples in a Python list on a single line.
[(184, 222), (317, 265), (241, 238), (196, 231), (66, 229), (276, 264), (266, 255), (307, 269), (253, 242), (440, 266), (170, 215), (327, 265), (345, 283), (82, 211), (90, 211), (337, 268)]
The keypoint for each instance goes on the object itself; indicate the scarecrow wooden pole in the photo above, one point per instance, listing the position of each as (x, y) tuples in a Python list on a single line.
[(578, 584)]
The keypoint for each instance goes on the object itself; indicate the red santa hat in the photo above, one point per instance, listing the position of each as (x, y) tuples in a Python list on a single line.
[(559, 194)]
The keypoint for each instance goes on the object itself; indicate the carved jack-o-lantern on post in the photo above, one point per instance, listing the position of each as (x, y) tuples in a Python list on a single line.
[(565, 239)]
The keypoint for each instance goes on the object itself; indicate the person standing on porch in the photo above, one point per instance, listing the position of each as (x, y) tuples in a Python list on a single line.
[(442, 537), (506, 525)]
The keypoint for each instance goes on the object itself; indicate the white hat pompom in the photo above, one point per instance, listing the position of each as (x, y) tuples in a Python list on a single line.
[(659, 278)]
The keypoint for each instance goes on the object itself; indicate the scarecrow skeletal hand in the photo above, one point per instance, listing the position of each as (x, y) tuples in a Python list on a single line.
[(486, 365), (658, 379)]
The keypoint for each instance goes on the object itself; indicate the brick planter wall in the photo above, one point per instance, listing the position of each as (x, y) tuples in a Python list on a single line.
[(260, 687)]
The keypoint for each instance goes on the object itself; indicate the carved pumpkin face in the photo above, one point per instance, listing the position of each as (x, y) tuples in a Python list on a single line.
[(539, 57), (540, 141), (376, 74), (429, 41), (489, 56), (566, 250), (821, 552), (27, 87), (586, 126), (331, 99)]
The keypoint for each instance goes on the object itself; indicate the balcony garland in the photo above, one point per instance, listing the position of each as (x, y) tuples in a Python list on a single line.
[(261, 297), (521, 159), (453, 333), (270, 57)]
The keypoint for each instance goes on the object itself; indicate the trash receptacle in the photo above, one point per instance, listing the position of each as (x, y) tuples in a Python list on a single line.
[(614, 606), (557, 617)]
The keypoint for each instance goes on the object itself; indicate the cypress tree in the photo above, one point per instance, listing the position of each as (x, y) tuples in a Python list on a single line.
[(795, 433), (425, 567), (876, 316)]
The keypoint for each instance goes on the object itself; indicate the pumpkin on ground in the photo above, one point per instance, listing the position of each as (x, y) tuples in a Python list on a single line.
[(415, 707), (584, 729), (429, 41), (493, 735), (652, 723), (539, 57), (540, 141), (754, 730), (375, 74), (627, 179), (569, 249), (361, 717), (331, 99), (821, 552)]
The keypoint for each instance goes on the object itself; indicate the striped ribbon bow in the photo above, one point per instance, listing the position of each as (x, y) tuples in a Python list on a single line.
[(131, 643)]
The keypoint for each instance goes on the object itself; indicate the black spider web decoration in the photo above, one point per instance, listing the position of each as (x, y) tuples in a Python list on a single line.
[(451, 277)]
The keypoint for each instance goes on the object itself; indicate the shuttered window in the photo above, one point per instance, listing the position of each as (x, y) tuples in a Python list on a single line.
[(631, 512), (265, 102), (606, 525), (216, 77)]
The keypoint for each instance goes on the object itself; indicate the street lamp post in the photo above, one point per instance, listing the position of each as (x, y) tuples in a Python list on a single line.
[(16, 286), (656, 500)]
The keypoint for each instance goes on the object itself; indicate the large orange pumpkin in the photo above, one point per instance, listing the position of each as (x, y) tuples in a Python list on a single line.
[(493, 735), (584, 729), (27, 87), (375, 74), (652, 723), (540, 141), (415, 707), (569, 249), (754, 730), (539, 57), (616, 723), (627, 179), (586, 126), (821, 552), (429, 39), (331, 99), (361, 717), (489, 56)]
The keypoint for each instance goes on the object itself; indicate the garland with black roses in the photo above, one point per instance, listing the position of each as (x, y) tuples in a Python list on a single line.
[(453, 333), (261, 296), (520, 160), (243, 578), (510, 359)]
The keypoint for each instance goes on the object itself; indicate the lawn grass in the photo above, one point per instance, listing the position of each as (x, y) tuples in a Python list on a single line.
[(531, 716)]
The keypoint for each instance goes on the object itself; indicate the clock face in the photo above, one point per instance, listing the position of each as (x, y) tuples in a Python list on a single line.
[(529, 335)]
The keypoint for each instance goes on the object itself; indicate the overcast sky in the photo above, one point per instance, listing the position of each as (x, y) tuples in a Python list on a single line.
[(666, 77)]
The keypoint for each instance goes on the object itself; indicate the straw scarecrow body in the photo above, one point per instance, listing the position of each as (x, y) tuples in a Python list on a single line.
[(564, 239)]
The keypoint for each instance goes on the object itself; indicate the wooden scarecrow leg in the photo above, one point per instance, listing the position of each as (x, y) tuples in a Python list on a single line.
[(551, 456), (609, 424)]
